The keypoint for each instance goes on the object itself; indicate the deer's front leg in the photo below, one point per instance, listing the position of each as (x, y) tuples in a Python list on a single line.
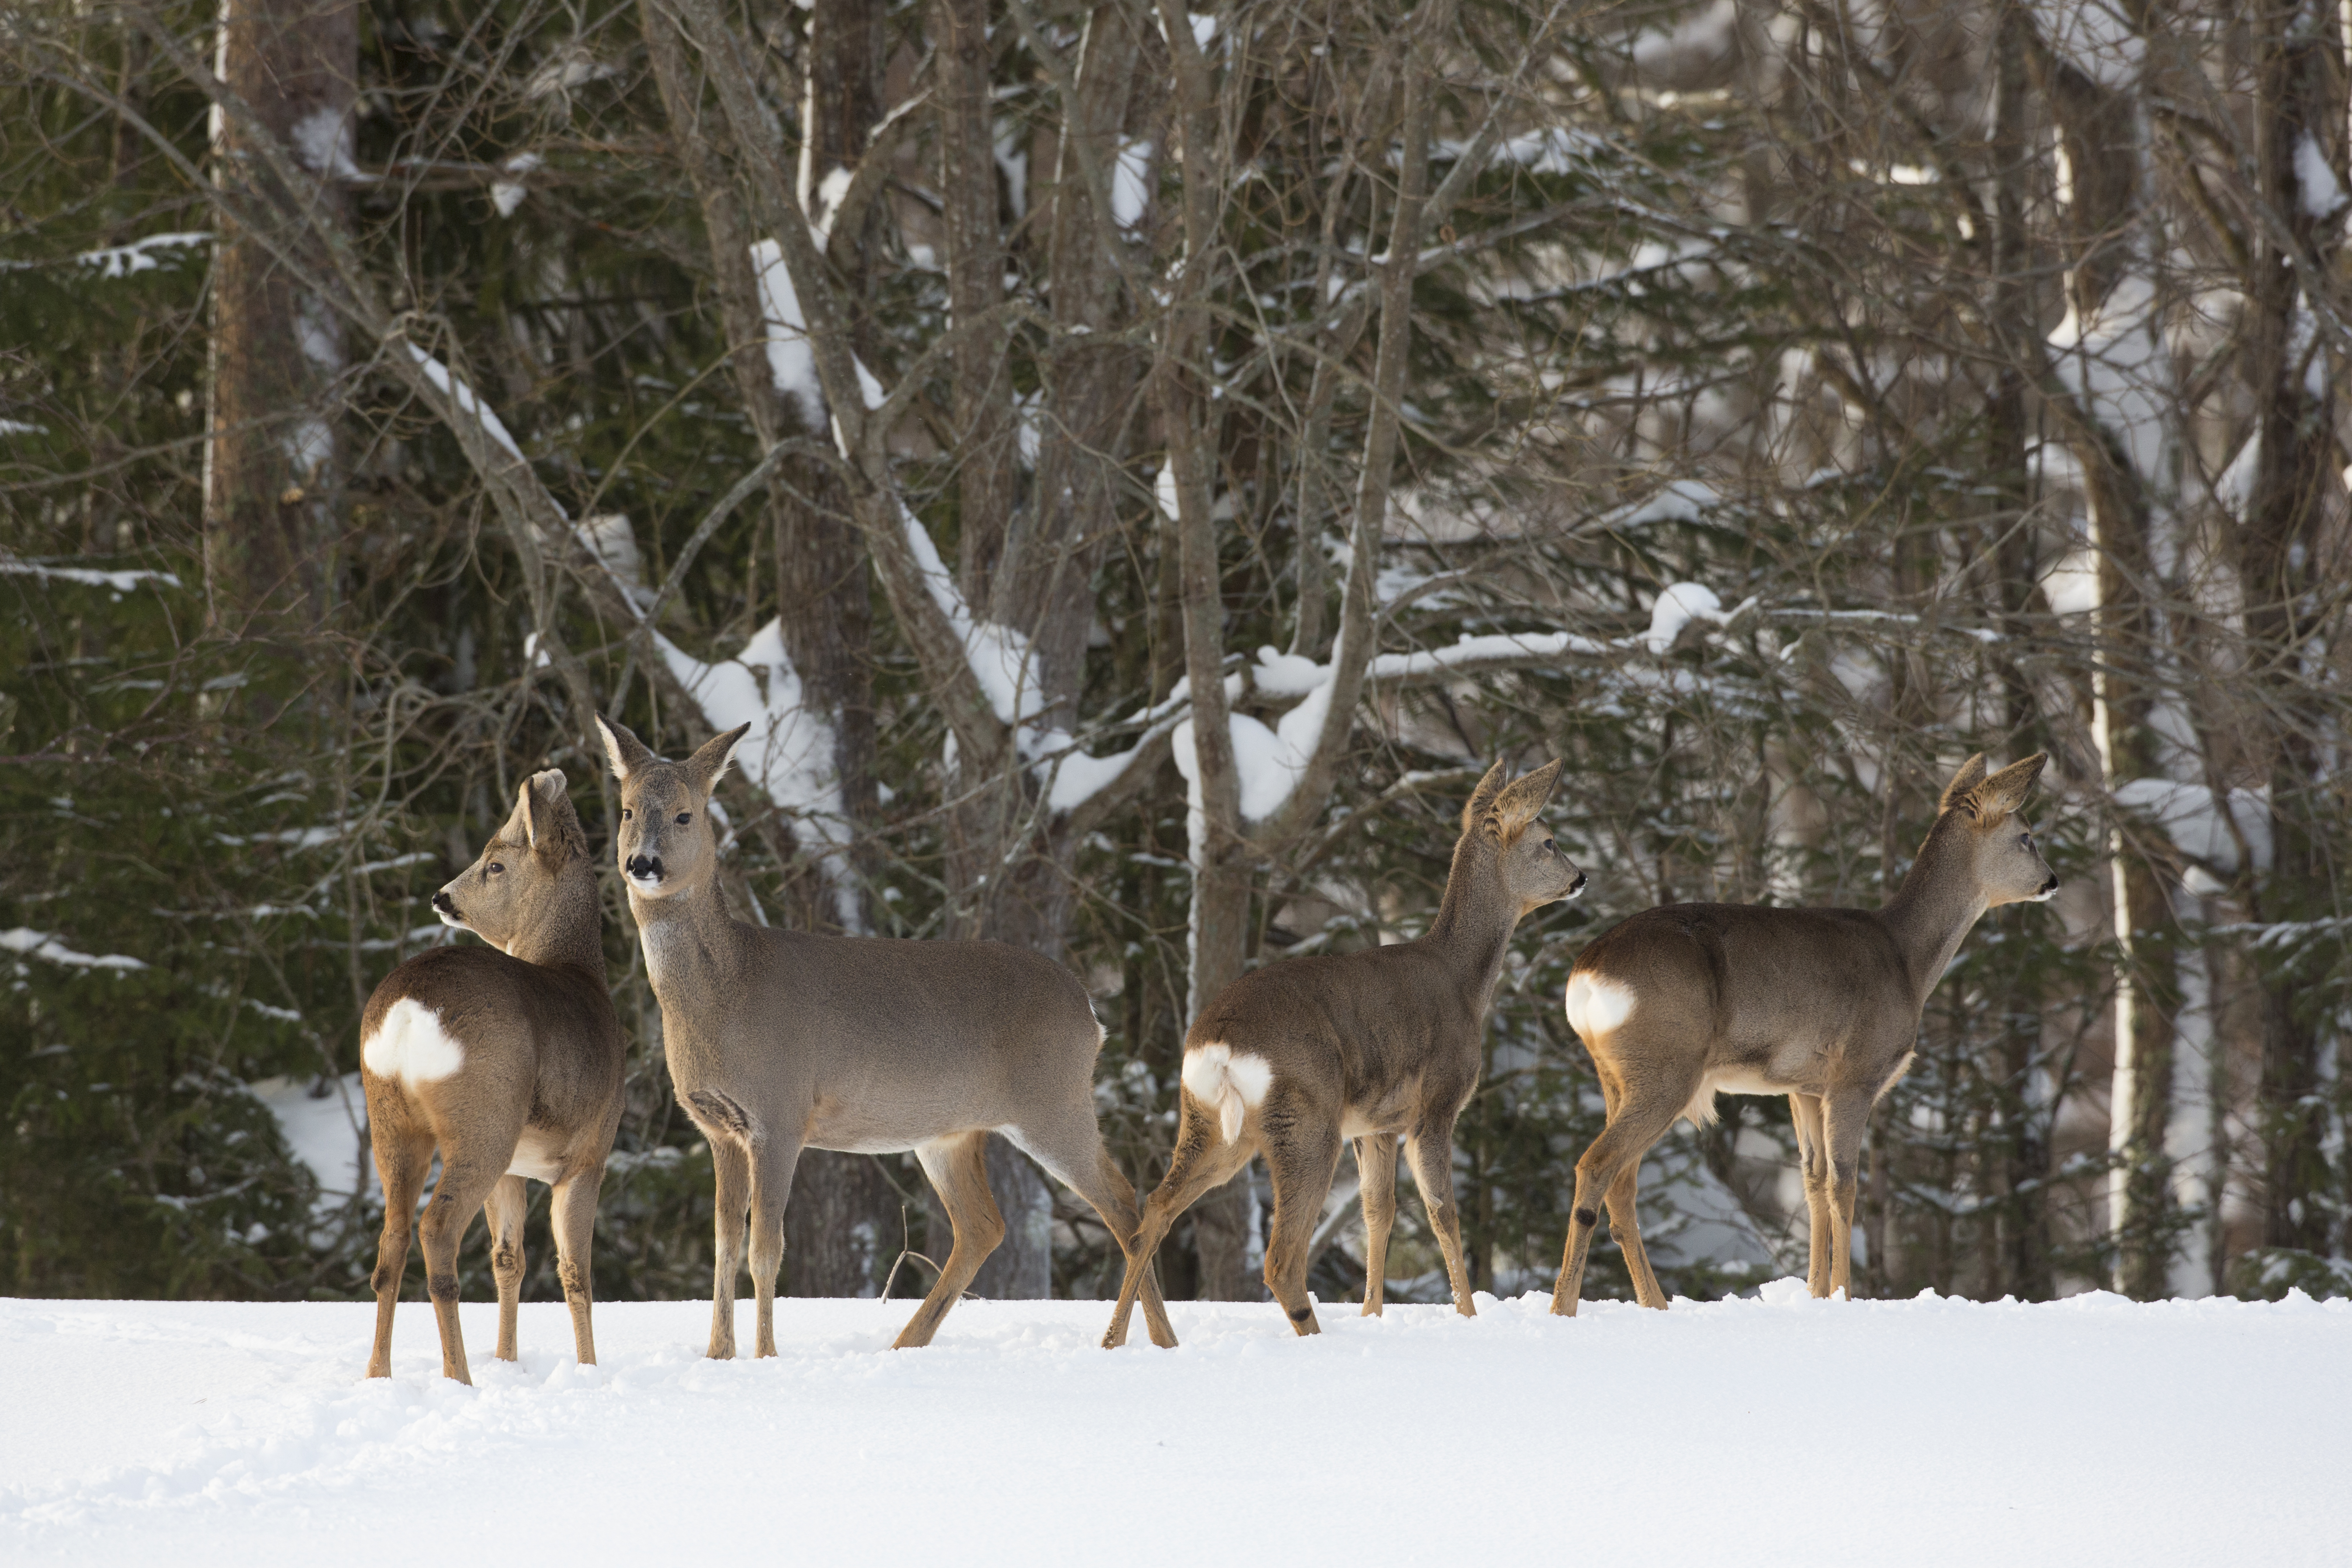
[(1813, 1165), (771, 1188), (731, 1166)]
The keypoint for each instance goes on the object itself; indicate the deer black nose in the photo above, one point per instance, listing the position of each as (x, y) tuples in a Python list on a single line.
[(442, 901), (644, 868), (1576, 887), (2050, 886)]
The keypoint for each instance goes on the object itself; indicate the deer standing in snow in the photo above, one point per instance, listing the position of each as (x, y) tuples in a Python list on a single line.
[(783, 1040), (1687, 1001), (1372, 1046), (508, 1060)]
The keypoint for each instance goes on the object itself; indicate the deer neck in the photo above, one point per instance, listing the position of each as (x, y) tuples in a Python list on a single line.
[(1932, 913), (571, 937), (1475, 918), (688, 939)]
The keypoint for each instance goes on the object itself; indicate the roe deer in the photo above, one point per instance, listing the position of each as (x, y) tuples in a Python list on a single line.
[(783, 1040), (508, 1059), (1294, 1057), (1687, 1000)]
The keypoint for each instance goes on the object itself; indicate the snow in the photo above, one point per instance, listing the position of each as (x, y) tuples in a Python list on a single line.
[(463, 395), (1676, 607), (121, 582), (2323, 194), (2096, 36), (508, 194), (27, 943), (123, 260), (2191, 816), (2091, 1430), (327, 1132), (2115, 362), (791, 362), (1702, 35), (1130, 189), (1684, 500)]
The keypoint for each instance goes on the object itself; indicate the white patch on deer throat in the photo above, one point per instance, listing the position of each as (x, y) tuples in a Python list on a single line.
[(1597, 1004), (411, 1045), (1229, 1082)]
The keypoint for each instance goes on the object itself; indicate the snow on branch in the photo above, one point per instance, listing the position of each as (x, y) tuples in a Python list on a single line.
[(121, 582), (2115, 363), (792, 361), (32, 944), (2192, 816), (454, 388), (121, 260)]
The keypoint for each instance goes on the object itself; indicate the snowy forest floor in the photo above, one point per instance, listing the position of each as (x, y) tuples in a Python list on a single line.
[(1761, 1431)]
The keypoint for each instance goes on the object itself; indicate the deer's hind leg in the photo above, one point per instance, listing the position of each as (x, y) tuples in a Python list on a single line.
[(465, 1182), (1813, 1165), (402, 1158), (1376, 1166), (503, 1212), (1202, 1160), (1071, 1150), (572, 1216), (1641, 1110), (958, 1169), (1301, 1162), (1431, 1150), (1625, 1225)]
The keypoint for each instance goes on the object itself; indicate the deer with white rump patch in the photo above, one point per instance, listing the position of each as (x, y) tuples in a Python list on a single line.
[(1687, 1001), (783, 1040), (508, 1060), (1373, 1045)]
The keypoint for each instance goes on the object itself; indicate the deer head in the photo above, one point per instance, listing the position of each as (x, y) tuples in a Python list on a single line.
[(1535, 871), (516, 885), (665, 844), (2006, 864)]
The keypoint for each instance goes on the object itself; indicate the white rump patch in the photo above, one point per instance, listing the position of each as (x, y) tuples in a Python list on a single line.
[(1229, 1082), (1597, 1004), (411, 1045)]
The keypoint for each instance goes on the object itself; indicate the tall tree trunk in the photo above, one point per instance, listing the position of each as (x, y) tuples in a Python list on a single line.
[(841, 1227), (270, 469), (2280, 552), (2117, 436)]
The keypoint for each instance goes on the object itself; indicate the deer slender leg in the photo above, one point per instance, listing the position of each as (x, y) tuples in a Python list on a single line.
[(401, 1161), (503, 1212), (1625, 1225), (1202, 1160), (1431, 1150), (1813, 1165), (731, 1166), (1376, 1166), (771, 1188), (1844, 1118), (958, 1168), (465, 1180), (1640, 1117), (1301, 1164), (1071, 1149), (573, 1214)]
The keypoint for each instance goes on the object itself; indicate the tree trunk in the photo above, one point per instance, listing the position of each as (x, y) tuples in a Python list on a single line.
[(277, 349), (2280, 554)]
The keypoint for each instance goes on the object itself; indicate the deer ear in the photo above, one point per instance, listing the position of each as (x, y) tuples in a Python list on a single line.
[(625, 752), (1519, 804), (1482, 799), (526, 824), (1971, 775), (709, 765), (2003, 794), (546, 805)]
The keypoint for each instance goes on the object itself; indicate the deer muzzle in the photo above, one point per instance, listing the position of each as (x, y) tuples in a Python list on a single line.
[(1577, 886), (446, 908), (643, 869)]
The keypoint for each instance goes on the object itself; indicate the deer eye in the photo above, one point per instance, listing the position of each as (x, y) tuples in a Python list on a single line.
[(495, 866), (684, 817), (627, 815), (1550, 847)]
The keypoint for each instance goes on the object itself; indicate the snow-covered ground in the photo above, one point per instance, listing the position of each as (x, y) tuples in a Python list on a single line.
[(1778, 1430)]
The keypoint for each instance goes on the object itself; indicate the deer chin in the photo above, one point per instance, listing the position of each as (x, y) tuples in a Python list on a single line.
[(650, 887), (453, 919)]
